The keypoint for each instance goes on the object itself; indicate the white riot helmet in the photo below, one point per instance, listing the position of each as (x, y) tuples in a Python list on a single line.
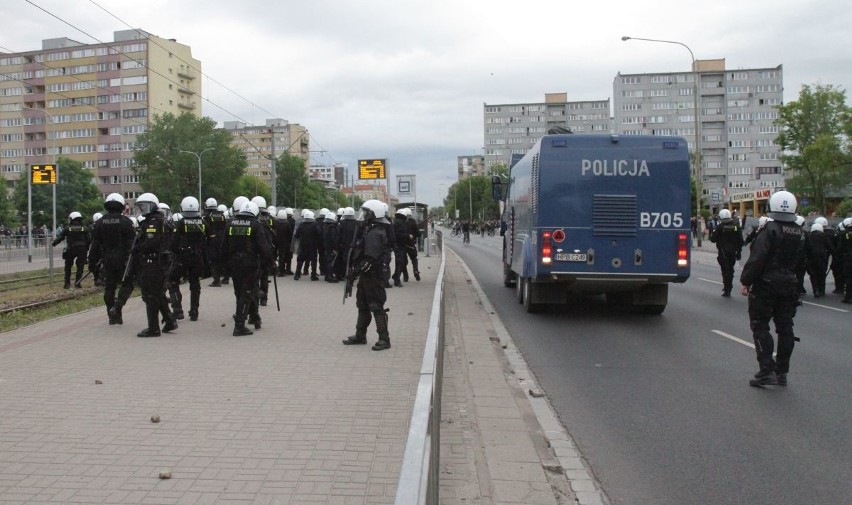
[(147, 203), (724, 214), (114, 201), (762, 221), (847, 223), (74, 215), (222, 208), (260, 202), (272, 211), (211, 204), (189, 205), (348, 213), (289, 211), (782, 206), (800, 220), (165, 209), (373, 209), (177, 216), (302, 213), (96, 216), (331, 217), (307, 215), (821, 221), (340, 212), (238, 203), (282, 214), (249, 209), (816, 227)]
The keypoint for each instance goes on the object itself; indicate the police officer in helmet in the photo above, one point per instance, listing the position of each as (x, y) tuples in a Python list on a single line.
[(152, 249), (371, 296), (246, 251), (769, 281), (188, 247), (77, 238), (728, 237), (112, 239)]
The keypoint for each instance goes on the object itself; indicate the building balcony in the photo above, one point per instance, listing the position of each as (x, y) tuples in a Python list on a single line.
[(185, 75), (186, 105), (186, 91)]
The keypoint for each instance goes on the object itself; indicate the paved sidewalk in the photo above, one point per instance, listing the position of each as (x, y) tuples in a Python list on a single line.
[(288, 415)]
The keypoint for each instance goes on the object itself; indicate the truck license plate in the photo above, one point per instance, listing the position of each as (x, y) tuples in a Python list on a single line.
[(570, 257)]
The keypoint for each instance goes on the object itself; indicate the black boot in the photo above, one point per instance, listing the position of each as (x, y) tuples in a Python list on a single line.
[(360, 336), (763, 378), (255, 320), (153, 329), (169, 325), (216, 283), (115, 315), (240, 329), (194, 299), (417, 275), (381, 317)]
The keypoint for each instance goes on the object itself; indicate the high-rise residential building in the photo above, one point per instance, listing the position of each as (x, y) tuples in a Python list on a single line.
[(261, 143), (471, 165), (515, 128), (736, 122), (88, 102)]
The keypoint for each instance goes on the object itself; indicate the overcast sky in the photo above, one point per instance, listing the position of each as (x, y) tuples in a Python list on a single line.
[(406, 80)]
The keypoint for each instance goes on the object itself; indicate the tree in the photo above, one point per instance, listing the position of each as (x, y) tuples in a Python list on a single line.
[(472, 195), (75, 191), (250, 186), (171, 174), (815, 139), (8, 216)]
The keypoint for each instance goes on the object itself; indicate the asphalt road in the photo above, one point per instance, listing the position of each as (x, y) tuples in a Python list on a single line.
[(660, 405)]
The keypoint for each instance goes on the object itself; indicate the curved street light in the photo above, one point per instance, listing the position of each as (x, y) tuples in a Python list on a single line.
[(697, 153), (198, 155)]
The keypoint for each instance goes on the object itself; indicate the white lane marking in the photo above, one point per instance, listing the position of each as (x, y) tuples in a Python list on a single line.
[(735, 339), (803, 301), (825, 306)]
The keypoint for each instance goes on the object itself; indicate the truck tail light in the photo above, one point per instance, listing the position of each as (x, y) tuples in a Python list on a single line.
[(546, 247), (682, 250)]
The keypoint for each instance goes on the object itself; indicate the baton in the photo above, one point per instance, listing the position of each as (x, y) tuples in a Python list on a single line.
[(77, 283), (275, 283)]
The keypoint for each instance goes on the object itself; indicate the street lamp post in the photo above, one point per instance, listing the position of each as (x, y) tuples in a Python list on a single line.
[(198, 155), (696, 163)]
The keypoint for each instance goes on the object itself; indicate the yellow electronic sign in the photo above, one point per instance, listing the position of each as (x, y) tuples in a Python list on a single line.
[(43, 174), (371, 169)]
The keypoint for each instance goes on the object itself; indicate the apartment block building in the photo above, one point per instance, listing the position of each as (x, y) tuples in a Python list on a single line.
[(261, 143), (471, 165), (736, 122), (515, 128), (89, 102)]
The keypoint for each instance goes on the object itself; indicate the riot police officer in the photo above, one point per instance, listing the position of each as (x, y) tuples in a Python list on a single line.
[(95, 268), (246, 251), (818, 249), (411, 245), (284, 241), (346, 230), (844, 249), (400, 257), (77, 238), (309, 238), (188, 245), (112, 239), (769, 281), (330, 232), (152, 251), (268, 229), (728, 237), (214, 226), (371, 296)]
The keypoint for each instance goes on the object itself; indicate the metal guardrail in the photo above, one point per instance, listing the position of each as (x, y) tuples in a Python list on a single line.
[(418, 478)]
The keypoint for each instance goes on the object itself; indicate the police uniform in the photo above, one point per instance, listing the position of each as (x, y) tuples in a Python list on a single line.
[(411, 247), (371, 296), (112, 239), (214, 226), (770, 278), (284, 242), (330, 246), (188, 245), (309, 238), (818, 249), (346, 233), (152, 250), (246, 251), (77, 238), (728, 238), (400, 256), (844, 252), (268, 226)]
